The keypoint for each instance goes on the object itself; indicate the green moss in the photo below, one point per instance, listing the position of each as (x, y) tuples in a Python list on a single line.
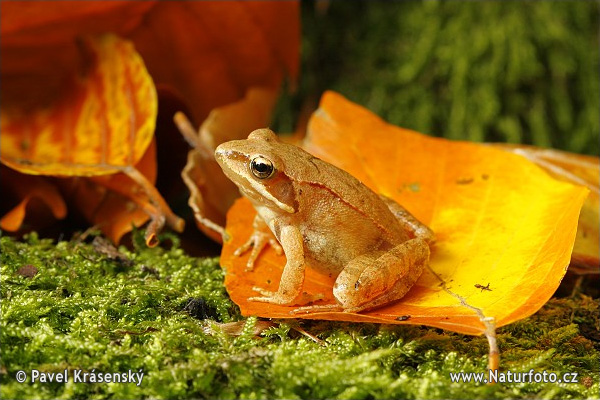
[(507, 71), (85, 310)]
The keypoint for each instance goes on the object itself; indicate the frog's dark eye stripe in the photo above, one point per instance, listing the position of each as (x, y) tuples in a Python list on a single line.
[(262, 168)]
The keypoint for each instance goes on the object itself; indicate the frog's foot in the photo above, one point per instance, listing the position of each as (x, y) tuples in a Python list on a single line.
[(258, 241), (272, 297), (317, 308)]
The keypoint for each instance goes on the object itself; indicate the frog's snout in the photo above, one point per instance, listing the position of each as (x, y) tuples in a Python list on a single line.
[(220, 154)]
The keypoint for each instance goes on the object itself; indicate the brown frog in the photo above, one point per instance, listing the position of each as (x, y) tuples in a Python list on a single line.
[(324, 218)]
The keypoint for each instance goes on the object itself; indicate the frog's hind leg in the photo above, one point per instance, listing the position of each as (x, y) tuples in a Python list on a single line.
[(386, 279), (409, 221)]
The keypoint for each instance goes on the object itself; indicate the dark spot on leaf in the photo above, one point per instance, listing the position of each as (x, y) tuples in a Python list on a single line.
[(403, 318), (487, 287), (414, 187), (464, 181)]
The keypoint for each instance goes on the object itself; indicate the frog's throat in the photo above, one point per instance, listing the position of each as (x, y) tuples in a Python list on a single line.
[(265, 195)]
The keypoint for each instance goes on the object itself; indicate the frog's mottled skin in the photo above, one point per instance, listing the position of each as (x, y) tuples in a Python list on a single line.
[(325, 218)]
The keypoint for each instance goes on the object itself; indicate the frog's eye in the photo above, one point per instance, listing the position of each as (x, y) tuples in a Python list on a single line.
[(262, 168)]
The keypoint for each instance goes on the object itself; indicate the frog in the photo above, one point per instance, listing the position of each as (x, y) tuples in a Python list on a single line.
[(322, 217)]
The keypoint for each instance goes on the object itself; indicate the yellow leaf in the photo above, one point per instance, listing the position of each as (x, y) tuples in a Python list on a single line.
[(505, 228)]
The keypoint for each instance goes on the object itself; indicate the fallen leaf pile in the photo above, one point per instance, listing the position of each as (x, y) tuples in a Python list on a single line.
[(79, 97), (81, 88), (505, 229)]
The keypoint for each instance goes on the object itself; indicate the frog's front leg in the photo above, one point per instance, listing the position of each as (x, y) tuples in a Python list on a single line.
[(368, 282), (292, 278), (260, 238)]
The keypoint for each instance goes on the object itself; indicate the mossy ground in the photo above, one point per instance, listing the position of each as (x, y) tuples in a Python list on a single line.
[(86, 309), (494, 71)]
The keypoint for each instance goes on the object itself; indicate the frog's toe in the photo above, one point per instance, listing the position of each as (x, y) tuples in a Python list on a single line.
[(243, 248), (276, 246), (264, 292), (271, 297), (317, 308), (250, 264)]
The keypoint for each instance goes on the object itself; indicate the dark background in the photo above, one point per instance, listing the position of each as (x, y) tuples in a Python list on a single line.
[(501, 71)]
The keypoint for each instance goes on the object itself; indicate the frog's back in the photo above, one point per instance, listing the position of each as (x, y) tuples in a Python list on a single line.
[(347, 188)]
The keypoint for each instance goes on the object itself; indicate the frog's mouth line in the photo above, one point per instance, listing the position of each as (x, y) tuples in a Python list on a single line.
[(263, 196)]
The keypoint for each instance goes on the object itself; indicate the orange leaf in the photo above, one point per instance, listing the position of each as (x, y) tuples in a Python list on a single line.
[(101, 124), (104, 122), (32, 193), (209, 52), (498, 219), (115, 203), (40, 53)]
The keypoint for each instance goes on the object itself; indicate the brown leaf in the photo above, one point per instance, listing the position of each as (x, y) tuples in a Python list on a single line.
[(498, 219), (210, 52), (40, 50), (211, 193), (115, 203), (27, 271), (35, 196), (102, 124)]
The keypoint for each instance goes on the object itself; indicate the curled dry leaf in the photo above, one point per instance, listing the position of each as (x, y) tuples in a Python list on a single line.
[(211, 193), (208, 53), (101, 124), (34, 196), (115, 203), (498, 219), (580, 170)]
